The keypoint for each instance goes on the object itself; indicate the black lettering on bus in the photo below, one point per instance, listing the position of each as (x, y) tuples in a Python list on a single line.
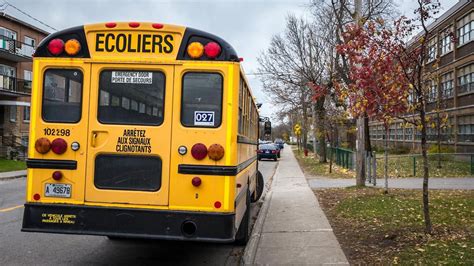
[(157, 40), (121, 43), (129, 44), (98, 41), (168, 40), (146, 43), (139, 46), (109, 45)]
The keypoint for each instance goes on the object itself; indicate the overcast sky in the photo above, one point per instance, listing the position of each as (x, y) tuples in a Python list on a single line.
[(247, 25)]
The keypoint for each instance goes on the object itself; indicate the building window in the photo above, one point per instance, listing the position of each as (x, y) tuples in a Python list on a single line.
[(432, 91), (446, 43), (27, 75), (26, 114), (399, 132), (466, 79), (466, 29), (447, 85), (7, 33), (30, 41), (466, 128), (432, 50), (409, 133), (12, 113)]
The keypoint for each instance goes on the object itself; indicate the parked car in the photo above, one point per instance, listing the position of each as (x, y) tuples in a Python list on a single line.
[(267, 151)]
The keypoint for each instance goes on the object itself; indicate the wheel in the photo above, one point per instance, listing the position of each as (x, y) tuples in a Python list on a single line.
[(278, 155), (243, 233), (276, 158), (259, 188)]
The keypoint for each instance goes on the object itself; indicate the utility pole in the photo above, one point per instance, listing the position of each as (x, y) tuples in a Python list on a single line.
[(360, 142)]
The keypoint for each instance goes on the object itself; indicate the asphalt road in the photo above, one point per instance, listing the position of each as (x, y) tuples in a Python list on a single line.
[(18, 248)]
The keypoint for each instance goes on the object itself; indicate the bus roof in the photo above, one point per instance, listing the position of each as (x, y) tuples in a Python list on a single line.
[(135, 40)]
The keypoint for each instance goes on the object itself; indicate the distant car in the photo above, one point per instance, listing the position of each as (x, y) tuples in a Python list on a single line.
[(267, 151), (278, 148), (280, 143)]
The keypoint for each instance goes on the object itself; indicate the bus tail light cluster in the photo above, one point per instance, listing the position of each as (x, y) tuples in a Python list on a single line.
[(58, 146), (57, 46), (215, 152), (196, 50)]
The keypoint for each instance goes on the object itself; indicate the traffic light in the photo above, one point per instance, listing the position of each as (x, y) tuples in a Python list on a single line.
[(267, 128)]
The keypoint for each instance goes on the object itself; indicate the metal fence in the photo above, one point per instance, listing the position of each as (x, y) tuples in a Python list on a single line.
[(439, 165), (342, 157)]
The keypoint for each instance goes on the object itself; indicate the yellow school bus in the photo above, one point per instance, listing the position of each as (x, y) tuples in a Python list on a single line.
[(142, 130)]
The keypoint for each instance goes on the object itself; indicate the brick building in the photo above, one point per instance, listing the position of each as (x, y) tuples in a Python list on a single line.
[(18, 39), (452, 91)]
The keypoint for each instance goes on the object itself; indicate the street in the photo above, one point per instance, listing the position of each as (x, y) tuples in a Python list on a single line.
[(18, 248)]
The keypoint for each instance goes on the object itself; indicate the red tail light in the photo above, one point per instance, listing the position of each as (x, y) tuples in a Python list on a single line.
[(259, 151), (111, 24), (274, 151), (157, 25), (212, 50), (36, 196), (59, 146), (56, 46), (199, 151)]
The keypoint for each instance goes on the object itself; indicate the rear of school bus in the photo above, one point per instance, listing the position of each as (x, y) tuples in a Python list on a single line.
[(133, 134)]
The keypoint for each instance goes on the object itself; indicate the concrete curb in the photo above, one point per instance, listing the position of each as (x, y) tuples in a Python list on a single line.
[(12, 175), (251, 249)]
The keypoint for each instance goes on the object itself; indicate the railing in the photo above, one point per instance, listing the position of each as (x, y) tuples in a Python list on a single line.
[(16, 47), (342, 157), (15, 85), (14, 147)]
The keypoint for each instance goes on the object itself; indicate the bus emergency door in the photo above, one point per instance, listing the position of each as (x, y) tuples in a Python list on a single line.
[(129, 134)]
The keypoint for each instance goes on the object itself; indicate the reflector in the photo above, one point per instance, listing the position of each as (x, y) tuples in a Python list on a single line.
[(216, 152)]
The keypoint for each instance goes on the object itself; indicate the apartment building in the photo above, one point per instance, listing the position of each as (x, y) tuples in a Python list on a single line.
[(18, 41), (450, 86)]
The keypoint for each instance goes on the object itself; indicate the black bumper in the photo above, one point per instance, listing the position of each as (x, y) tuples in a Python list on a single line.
[(123, 222)]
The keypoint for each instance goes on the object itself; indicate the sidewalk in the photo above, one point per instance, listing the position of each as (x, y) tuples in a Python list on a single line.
[(295, 229), (407, 183), (12, 174)]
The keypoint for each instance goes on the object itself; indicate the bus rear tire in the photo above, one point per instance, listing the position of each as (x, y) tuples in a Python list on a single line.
[(243, 233), (258, 188)]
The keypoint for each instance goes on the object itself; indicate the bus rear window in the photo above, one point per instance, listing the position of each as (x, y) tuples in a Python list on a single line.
[(201, 103), (131, 97), (62, 95)]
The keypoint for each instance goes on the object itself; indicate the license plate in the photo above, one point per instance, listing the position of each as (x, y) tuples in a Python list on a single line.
[(57, 190), (267, 152)]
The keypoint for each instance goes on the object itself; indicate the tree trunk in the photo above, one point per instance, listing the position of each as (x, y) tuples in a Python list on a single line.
[(426, 206), (386, 160), (361, 154), (368, 145), (439, 138), (321, 129)]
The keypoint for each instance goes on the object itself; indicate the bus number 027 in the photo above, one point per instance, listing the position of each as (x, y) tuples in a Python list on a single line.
[(57, 132)]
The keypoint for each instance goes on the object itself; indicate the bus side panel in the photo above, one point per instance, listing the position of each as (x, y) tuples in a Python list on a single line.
[(216, 192), (40, 169)]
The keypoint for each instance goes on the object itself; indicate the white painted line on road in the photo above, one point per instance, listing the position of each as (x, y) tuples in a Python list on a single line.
[(11, 208)]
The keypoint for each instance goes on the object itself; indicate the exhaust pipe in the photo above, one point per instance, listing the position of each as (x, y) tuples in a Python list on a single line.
[(188, 228)]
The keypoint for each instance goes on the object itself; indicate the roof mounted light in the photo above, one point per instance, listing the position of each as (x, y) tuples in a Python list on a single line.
[(195, 50), (212, 50), (72, 47), (56, 46)]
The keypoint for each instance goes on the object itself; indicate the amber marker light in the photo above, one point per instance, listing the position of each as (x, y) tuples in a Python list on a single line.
[(195, 50), (215, 152), (42, 145), (72, 47)]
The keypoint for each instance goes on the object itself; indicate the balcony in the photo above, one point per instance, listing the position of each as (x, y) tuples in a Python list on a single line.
[(15, 51), (14, 87)]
